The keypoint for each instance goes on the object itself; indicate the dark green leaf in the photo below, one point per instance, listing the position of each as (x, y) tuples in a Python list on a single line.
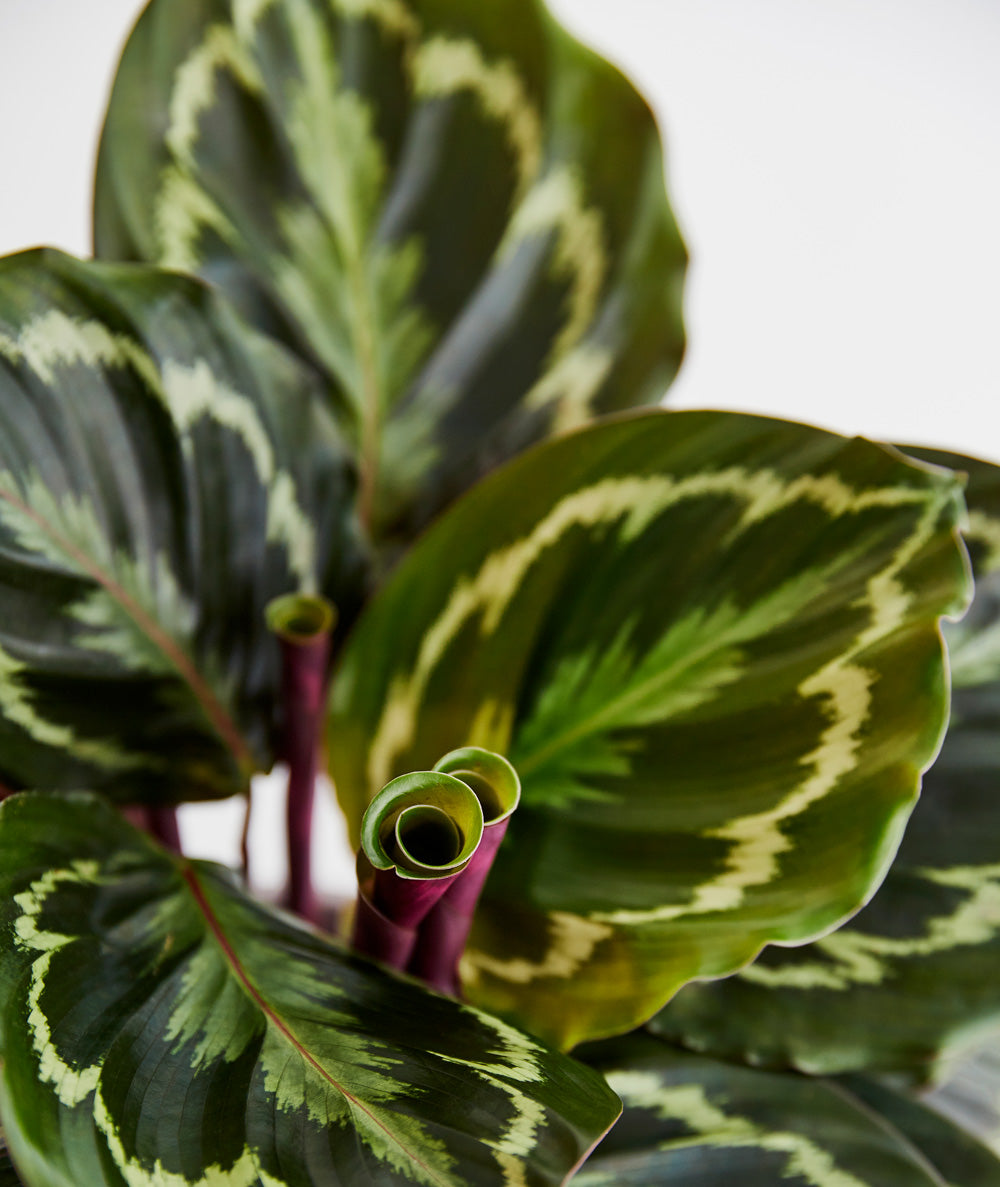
[(453, 208), (915, 974), (694, 1122), (164, 472), (708, 643), (158, 1027), (961, 1158), (969, 1091)]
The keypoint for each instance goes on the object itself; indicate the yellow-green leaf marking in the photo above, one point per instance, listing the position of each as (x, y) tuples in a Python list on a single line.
[(912, 978), (690, 1120)]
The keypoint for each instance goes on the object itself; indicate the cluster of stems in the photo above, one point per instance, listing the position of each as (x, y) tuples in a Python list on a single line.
[(429, 838), (428, 843)]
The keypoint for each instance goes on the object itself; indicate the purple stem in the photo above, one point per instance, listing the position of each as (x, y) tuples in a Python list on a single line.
[(376, 935), (163, 825), (389, 912), (159, 822), (304, 664), (443, 934)]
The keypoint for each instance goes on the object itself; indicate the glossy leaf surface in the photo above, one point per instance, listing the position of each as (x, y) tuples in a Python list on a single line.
[(708, 643), (155, 492), (453, 208), (915, 974), (951, 1145), (160, 1027), (694, 1122), (969, 1091)]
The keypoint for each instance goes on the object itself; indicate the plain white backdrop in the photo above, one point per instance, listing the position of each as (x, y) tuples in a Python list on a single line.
[(835, 168)]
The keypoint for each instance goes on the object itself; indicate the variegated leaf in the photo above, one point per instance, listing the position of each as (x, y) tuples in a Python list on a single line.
[(453, 208), (690, 1121), (708, 643), (159, 1028), (916, 973), (164, 472)]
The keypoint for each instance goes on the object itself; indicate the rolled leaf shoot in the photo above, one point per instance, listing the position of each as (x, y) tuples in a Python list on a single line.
[(418, 835)]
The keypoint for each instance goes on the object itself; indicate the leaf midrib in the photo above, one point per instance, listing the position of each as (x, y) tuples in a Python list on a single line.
[(280, 1025), (211, 706), (611, 709), (892, 1131)]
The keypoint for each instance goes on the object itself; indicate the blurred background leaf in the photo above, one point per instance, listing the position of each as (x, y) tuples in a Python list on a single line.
[(455, 210), (164, 472)]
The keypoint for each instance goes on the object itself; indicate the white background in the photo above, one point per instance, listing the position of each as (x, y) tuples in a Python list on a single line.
[(834, 164)]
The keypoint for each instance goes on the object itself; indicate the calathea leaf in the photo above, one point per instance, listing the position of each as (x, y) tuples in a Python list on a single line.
[(914, 976), (690, 1121), (453, 208), (164, 472), (708, 643), (968, 1091), (158, 1026), (949, 1145)]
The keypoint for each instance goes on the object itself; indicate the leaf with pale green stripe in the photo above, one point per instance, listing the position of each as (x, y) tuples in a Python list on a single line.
[(158, 1026), (690, 1121), (453, 208), (155, 493), (708, 643), (914, 976)]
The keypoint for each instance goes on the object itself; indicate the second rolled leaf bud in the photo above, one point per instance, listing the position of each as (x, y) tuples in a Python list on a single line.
[(445, 930)]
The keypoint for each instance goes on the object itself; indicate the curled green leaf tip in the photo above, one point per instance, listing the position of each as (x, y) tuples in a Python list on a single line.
[(490, 776), (427, 824), (300, 618)]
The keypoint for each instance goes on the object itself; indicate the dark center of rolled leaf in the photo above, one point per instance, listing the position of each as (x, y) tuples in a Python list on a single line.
[(426, 836)]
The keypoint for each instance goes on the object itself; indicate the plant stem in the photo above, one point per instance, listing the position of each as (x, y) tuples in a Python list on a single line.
[(303, 625), (164, 827), (160, 822), (245, 837)]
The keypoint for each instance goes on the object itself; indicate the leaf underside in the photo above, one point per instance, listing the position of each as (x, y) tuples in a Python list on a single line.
[(913, 977), (690, 1121), (159, 1026), (155, 493), (709, 645), (454, 210)]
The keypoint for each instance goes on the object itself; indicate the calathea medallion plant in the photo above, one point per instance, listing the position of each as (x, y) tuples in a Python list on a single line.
[(339, 442)]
